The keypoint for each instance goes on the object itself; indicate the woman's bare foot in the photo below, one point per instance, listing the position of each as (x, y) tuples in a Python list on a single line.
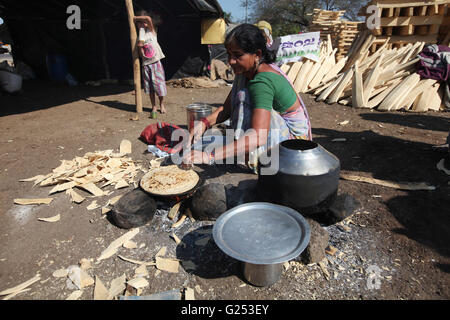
[(163, 110)]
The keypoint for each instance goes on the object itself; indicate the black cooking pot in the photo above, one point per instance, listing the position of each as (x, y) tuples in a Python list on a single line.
[(304, 176)]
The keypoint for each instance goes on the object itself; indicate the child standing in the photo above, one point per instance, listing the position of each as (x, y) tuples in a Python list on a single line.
[(151, 54)]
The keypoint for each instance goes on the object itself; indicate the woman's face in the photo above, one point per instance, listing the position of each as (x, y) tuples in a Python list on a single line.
[(240, 61)]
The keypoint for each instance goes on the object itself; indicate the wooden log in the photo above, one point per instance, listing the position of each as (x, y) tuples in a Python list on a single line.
[(135, 56)]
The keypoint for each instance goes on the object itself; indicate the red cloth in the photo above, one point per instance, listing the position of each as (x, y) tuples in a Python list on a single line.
[(160, 135)]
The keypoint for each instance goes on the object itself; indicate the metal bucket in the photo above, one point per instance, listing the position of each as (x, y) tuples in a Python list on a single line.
[(196, 111), (262, 275)]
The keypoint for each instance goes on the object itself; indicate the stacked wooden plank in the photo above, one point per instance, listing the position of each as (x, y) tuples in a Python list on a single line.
[(407, 21), (346, 32), (386, 80), (326, 21), (330, 23), (444, 30)]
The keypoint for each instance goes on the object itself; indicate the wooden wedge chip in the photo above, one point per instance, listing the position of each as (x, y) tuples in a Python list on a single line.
[(61, 273), (125, 147), (51, 219), (179, 222), (12, 295), (113, 200), (85, 264), (121, 184), (100, 291), (390, 184), (168, 265), (174, 210), (75, 295), (92, 188), (130, 244), (63, 187), (112, 248), (21, 286), (75, 197), (141, 271), (93, 205), (137, 261), (177, 240), (33, 178), (331, 250), (33, 201), (161, 252), (118, 286), (105, 210), (324, 270), (138, 283), (189, 294)]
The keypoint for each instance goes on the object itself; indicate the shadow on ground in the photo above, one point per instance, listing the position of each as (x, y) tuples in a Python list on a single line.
[(38, 95), (424, 215), (206, 259)]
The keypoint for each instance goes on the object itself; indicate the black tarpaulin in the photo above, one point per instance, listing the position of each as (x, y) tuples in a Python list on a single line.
[(101, 48)]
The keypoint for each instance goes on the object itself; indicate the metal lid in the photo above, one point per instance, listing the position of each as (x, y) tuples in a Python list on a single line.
[(261, 233)]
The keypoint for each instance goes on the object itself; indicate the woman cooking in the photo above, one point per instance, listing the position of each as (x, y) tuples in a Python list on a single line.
[(262, 99)]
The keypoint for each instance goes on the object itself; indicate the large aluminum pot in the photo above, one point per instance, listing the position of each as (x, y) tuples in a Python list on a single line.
[(196, 111), (307, 178)]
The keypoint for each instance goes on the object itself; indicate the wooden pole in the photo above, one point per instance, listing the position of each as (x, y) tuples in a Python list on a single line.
[(135, 54)]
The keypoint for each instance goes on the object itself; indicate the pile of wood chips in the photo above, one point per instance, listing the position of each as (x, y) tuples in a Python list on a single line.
[(386, 80), (92, 172)]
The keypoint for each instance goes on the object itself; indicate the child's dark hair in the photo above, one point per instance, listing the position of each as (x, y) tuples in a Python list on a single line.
[(155, 18), (250, 38)]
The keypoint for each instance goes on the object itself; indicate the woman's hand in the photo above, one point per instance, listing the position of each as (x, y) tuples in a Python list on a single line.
[(196, 133), (196, 157)]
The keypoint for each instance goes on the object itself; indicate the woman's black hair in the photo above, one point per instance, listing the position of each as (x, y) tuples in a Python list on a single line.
[(251, 39)]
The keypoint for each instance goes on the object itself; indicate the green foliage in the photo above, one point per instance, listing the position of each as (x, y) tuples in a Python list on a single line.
[(293, 16)]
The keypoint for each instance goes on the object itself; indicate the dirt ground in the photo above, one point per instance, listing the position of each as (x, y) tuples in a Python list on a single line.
[(403, 235)]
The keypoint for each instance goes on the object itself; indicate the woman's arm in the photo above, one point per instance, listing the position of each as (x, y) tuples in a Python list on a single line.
[(219, 115), (251, 140), (222, 113)]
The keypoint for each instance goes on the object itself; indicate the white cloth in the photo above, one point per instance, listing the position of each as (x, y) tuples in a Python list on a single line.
[(151, 42)]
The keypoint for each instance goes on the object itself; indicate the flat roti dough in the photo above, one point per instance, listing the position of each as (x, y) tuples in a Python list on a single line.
[(169, 180)]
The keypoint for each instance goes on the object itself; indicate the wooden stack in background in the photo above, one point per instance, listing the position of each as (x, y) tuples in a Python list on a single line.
[(326, 21), (330, 23), (346, 33), (386, 80), (408, 21)]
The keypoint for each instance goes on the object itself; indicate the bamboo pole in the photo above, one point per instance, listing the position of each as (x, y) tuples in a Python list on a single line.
[(135, 55)]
